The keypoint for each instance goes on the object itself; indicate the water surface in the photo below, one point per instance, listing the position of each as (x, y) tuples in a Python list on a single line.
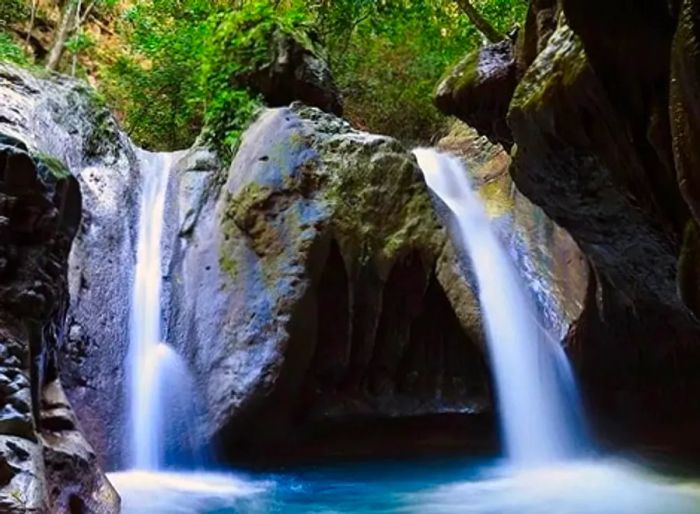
[(414, 487)]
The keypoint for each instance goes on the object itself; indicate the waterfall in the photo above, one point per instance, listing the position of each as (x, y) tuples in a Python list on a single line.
[(538, 402), (159, 386)]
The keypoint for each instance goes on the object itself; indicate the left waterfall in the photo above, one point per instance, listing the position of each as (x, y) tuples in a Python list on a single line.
[(146, 351)]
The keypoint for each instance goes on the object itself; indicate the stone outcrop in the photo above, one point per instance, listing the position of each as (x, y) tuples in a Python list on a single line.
[(46, 465), (321, 303), (553, 268), (310, 293), (67, 128), (602, 120), (293, 71)]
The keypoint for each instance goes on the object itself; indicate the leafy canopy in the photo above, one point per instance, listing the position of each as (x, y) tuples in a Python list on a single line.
[(171, 68)]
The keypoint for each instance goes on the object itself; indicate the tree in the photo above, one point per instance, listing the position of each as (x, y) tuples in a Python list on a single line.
[(65, 27), (481, 23), (73, 16)]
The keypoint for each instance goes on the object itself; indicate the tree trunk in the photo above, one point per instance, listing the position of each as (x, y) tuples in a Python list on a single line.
[(65, 28), (31, 22), (77, 28), (481, 23)]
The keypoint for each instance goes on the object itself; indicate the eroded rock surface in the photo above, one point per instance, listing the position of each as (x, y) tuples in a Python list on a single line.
[(310, 298), (63, 118), (45, 463), (603, 124)]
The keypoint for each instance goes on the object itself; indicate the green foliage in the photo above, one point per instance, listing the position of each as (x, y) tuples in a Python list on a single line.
[(237, 46), (155, 82), (181, 71), (185, 64), (10, 51), (79, 42), (55, 166), (387, 56), (12, 11)]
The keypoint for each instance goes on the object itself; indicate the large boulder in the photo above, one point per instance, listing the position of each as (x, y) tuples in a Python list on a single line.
[(321, 302), (310, 295)]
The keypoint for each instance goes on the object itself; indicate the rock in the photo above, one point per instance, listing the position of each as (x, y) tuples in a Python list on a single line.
[(294, 71), (70, 461), (42, 204), (605, 142), (685, 104), (478, 90), (552, 266), (307, 302)]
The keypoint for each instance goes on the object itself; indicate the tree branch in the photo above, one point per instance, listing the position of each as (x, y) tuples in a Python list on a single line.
[(481, 23)]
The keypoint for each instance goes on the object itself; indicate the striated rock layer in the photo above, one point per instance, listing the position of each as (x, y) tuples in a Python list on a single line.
[(602, 119)]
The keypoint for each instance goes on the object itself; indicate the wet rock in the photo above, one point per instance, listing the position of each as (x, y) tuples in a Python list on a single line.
[(478, 90), (42, 204), (307, 302), (552, 266), (70, 461), (294, 71), (605, 142)]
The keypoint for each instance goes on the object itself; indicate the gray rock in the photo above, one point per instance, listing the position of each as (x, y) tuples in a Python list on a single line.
[(307, 293)]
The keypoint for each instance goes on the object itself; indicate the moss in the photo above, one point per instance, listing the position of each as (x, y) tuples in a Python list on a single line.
[(461, 75), (380, 205), (228, 265), (239, 207), (559, 67), (54, 166)]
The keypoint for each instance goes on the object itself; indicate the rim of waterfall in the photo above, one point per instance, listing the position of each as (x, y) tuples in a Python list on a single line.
[(538, 401)]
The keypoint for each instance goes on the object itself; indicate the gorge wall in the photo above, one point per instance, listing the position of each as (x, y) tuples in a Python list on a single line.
[(46, 463), (598, 104)]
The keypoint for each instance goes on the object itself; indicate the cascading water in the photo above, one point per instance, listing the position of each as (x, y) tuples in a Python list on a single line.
[(143, 358), (537, 398), (160, 385)]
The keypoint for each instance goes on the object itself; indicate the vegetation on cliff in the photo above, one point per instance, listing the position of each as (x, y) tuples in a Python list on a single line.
[(172, 67)]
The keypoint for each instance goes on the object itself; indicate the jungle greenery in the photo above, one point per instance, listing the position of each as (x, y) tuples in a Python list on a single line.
[(167, 69)]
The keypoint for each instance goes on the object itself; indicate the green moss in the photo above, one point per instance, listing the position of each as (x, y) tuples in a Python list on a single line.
[(381, 206), (228, 265), (240, 205), (559, 67), (55, 166)]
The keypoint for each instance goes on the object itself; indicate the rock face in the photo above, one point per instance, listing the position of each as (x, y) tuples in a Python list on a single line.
[(294, 71), (310, 294), (550, 263), (603, 122), (322, 306), (68, 129), (64, 119), (46, 465)]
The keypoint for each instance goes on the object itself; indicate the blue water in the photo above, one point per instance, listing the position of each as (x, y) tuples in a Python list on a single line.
[(413, 487)]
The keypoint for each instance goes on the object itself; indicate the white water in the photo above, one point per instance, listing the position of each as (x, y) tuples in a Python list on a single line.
[(537, 397), (144, 358)]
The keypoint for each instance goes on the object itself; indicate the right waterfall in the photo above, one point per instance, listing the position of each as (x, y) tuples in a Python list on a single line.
[(538, 402)]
